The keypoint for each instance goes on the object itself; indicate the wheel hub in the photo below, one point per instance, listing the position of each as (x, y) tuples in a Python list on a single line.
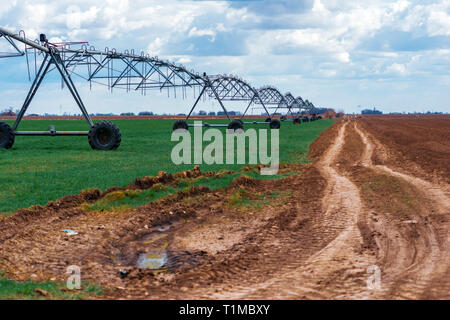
[(104, 136)]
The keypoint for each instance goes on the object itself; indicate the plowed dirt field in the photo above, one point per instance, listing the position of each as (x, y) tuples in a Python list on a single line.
[(373, 204)]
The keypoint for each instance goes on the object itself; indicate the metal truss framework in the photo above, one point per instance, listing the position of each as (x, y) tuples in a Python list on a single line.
[(51, 58), (115, 70), (140, 73), (272, 96), (229, 88), (294, 103), (17, 52), (129, 71), (309, 106)]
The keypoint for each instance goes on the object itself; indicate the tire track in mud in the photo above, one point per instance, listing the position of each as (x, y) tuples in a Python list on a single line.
[(426, 274), (322, 272), (342, 210), (337, 269)]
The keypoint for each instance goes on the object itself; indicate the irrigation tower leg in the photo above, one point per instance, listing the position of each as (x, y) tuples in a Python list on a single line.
[(245, 112), (69, 83), (196, 102), (43, 71), (34, 87), (218, 99)]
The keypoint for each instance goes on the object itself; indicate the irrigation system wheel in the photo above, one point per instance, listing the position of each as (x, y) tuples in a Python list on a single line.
[(275, 124), (104, 135), (296, 121), (180, 124), (268, 120), (236, 125), (283, 118), (6, 136)]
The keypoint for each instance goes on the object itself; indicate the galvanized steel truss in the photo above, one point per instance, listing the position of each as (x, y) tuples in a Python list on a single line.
[(229, 88), (140, 73)]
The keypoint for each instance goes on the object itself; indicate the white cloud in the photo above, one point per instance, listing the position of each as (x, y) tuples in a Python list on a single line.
[(194, 32), (396, 68), (184, 60), (156, 46), (400, 6), (325, 41), (439, 23)]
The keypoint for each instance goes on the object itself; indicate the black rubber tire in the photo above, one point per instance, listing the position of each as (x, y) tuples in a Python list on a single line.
[(7, 136), (236, 125), (242, 122), (283, 118), (319, 118), (180, 124), (275, 124), (268, 120), (305, 119), (297, 121), (104, 135)]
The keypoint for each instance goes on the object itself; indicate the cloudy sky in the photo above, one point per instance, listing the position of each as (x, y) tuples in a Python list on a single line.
[(393, 55)]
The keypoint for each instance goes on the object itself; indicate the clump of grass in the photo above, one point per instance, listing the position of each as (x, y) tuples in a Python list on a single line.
[(122, 201), (242, 199), (372, 185), (237, 197), (30, 290)]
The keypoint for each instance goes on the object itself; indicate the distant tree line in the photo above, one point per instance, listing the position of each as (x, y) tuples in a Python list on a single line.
[(142, 113), (370, 111)]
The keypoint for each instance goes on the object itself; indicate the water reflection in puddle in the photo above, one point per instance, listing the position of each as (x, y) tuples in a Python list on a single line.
[(152, 260), (156, 243)]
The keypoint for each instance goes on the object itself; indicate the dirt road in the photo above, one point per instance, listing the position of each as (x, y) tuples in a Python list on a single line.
[(366, 220)]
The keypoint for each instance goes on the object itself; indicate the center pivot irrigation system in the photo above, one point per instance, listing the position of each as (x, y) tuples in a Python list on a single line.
[(129, 71), (306, 111), (229, 88)]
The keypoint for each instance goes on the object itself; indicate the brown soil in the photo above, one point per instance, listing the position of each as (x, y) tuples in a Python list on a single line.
[(316, 235), (421, 143)]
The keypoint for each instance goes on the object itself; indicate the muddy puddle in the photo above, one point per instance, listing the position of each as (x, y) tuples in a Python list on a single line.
[(152, 260), (156, 243), (154, 250)]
